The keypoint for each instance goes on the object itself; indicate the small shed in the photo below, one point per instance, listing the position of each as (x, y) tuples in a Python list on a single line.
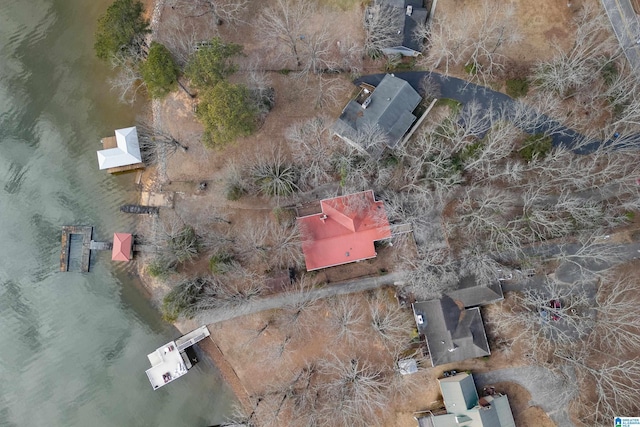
[(122, 244)]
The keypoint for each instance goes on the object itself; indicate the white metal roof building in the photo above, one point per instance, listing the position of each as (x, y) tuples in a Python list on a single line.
[(127, 151), (171, 361)]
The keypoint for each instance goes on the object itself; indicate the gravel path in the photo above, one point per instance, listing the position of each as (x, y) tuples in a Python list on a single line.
[(281, 300)]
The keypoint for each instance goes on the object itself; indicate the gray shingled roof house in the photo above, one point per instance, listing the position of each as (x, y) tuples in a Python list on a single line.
[(452, 325), (466, 409), (410, 14), (388, 107)]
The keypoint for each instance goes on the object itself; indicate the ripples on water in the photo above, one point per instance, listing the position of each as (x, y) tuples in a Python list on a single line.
[(73, 345)]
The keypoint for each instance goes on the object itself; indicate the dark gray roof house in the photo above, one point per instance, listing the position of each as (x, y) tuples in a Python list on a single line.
[(453, 326), (472, 295), (409, 15), (387, 108), (466, 409)]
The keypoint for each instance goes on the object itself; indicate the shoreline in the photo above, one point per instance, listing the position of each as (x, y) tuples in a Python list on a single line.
[(146, 284)]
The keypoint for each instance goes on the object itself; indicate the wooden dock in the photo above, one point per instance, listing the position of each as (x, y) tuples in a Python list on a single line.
[(100, 246), (67, 231), (140, 209)]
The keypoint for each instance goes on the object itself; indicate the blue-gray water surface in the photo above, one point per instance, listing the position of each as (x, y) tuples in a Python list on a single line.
[(73, 346)]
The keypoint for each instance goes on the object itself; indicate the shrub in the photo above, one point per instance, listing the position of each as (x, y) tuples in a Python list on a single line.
[(234, 191), (471, 69), (182, 299), (184, 244), (159, 71), (517, 87), (121, 27), (609, 72), (227, 112), (536, 147), (220, 262), (275, 178), (211, 64), (159, 268)]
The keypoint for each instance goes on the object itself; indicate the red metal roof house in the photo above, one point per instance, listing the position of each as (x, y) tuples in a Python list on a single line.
[(122, 243), (345, 230)]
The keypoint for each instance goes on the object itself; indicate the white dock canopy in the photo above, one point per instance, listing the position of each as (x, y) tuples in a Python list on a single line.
[(166, 365), (171, 361), (127, 151)]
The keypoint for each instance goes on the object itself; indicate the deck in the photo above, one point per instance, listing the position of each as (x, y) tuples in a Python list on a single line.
[(86, 232)]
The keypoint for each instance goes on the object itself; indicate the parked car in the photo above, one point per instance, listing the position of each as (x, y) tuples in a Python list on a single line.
[(556, 305)]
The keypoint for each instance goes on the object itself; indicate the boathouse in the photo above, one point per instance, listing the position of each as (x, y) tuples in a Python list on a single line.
[(174, 359), (121, 153), (122, 245)]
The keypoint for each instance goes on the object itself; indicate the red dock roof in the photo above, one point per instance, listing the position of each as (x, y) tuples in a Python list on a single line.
[(122, 243), (345, 230)]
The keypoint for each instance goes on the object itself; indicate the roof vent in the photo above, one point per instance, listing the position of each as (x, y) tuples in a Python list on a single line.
[(409, 10), (323, 217)]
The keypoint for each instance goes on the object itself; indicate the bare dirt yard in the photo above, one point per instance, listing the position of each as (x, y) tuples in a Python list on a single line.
[(261, 351)]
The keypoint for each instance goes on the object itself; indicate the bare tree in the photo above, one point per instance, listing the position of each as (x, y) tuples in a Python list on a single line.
[(231, 292), (392, 324), (261, 90), (617, 321), (590, 257), (429, 88), (381, 25), (350, 53), (313, 151), (300, 306), (544, 318), (431, 274), (176, 241), (578, 68), (285, 249), (613, 382), (473, 38), (316, 53), (325, 91), (352, 393), (483, 214), (156, 143), (345, 318), (228, 11), (252, 241), (181, 38), (128, 81), (274, 176), (282, 25)]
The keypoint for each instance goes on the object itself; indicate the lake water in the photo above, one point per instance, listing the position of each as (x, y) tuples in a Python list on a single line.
[(73, 346)]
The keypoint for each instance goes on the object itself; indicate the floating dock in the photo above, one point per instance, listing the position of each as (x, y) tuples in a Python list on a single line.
[(174, 359), (88, 245), (67, 231)]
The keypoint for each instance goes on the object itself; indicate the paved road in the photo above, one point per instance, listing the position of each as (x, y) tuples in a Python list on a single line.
[(464, 92), (626, 28), (549, 391), (281, 300)]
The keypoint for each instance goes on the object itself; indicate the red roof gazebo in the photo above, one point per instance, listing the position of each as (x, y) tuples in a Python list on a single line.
[(122, 243)]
